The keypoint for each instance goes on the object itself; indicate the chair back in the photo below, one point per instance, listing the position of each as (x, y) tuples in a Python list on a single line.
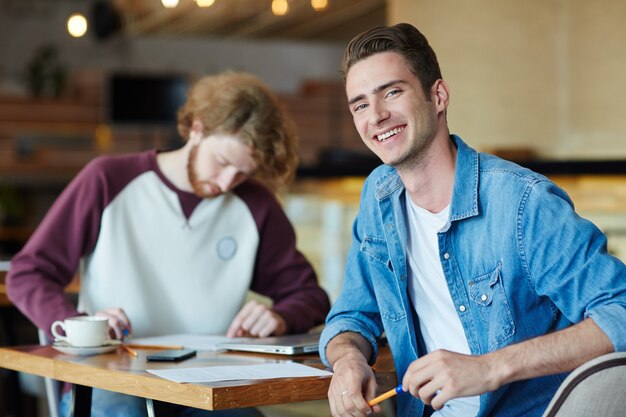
[(596, 388)]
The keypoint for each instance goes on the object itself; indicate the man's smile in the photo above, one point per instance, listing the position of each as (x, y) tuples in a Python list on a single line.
[(383, 136)]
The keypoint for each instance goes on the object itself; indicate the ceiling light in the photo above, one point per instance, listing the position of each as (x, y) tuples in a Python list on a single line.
[(205, 3), (319, 5), (77, 25), (280, 7), (169, 3)]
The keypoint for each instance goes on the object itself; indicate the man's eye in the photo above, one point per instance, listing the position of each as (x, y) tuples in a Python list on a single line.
[(393, 92), (360, 107)]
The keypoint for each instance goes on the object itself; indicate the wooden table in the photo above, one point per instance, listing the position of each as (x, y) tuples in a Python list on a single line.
[(120, 372)]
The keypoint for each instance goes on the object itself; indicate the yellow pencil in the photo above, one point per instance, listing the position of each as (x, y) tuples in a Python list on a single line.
[(130, 351), (383, 397)]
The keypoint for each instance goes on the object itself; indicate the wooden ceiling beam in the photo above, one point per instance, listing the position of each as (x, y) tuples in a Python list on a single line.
[(159, 18), (325, 22), (246, 18)]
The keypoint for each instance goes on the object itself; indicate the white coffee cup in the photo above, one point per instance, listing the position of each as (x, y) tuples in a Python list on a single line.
[(82, 331)]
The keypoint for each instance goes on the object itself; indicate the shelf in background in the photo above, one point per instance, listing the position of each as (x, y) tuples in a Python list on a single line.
[(362, 165)]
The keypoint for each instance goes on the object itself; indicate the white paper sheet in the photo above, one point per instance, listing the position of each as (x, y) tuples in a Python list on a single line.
[(190, 341), (239, 372)]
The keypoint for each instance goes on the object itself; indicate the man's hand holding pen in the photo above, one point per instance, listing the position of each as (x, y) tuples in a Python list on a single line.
[(119, 323)]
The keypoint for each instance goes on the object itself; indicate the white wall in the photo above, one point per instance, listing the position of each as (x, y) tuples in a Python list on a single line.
[(283, 65), (541, 74)]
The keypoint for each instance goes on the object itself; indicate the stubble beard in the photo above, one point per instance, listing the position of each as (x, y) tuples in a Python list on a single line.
[(418, 148), (197, 185)]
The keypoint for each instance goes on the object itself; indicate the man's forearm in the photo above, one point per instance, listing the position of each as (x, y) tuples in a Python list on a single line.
[(348, 344), (558, 352)]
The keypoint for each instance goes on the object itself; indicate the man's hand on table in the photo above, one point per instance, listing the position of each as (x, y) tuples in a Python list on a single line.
[(353, 382), (257, 320)]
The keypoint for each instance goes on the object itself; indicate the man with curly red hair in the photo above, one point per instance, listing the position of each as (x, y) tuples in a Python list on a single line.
[(171, 242)]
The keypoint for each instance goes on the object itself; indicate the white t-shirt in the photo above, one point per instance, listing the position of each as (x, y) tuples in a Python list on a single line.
[(439, 323)]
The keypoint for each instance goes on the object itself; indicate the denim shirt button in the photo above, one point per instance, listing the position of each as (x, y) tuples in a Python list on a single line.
[(483, 297), (446, 256), (461, 308), (389, 226)]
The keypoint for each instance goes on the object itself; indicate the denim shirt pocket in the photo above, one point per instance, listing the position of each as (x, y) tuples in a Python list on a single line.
[(391, 312), (487, 292), (376, 248)]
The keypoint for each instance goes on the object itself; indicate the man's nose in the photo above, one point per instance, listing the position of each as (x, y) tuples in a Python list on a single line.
[(378, 114), (227, 179)]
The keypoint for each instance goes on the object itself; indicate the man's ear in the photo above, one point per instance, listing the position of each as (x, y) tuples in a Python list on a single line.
[(441, 95), (196, 133)]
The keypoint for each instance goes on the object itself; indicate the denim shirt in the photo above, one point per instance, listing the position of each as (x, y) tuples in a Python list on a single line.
[(518, 261)]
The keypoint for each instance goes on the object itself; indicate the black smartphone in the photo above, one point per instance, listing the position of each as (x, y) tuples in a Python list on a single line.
[(171, 355)]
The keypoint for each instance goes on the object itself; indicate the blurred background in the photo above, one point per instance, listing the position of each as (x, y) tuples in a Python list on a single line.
[(539, 82)]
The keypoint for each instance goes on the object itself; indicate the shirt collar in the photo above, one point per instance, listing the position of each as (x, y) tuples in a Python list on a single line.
[(465, 192)]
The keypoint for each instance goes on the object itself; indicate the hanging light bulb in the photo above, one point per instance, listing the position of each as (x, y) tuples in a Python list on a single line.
[(280, 7), (319, 5), (205, 3), (169, 3), (77, 25)]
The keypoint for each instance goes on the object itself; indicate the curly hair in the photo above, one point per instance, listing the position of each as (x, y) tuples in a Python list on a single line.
[(403, 39), (239, 104)]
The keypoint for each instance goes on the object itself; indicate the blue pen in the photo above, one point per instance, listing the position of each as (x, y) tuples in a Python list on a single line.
[(386, 395)]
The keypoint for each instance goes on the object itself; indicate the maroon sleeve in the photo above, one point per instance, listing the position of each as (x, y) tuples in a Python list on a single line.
[(281, 272), (49, 260)]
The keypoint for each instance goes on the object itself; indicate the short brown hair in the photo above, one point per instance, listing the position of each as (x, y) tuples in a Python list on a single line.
[(240, 104), (403, 39)]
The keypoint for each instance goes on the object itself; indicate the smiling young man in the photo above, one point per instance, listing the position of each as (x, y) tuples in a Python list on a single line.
[(171, 242), (486, 283)]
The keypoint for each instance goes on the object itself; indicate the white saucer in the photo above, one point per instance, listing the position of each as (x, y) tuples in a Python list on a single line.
[(64, 347)]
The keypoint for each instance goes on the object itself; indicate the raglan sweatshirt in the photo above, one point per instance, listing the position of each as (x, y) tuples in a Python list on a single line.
[(175, 262)]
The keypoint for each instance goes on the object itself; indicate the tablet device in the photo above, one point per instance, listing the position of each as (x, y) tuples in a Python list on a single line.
[(174, 355), (295, 344)]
